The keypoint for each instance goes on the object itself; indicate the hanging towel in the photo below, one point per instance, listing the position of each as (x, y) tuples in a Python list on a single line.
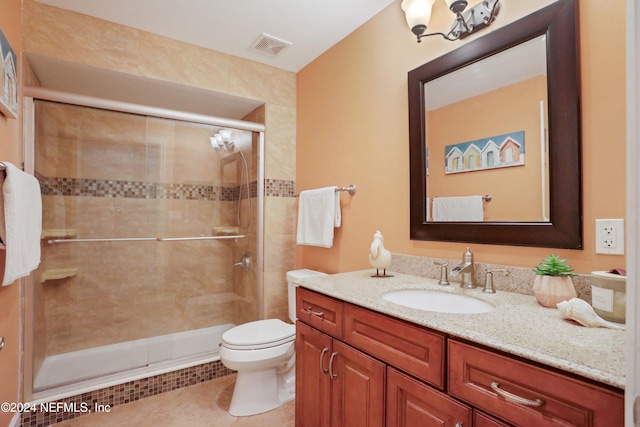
[(318, 214), (20, 223), (466, 208)]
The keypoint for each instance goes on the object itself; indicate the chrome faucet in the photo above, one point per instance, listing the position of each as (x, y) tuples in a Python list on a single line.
[(466, 268)]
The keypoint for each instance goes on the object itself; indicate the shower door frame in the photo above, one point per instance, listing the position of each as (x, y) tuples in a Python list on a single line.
[(32, 93)]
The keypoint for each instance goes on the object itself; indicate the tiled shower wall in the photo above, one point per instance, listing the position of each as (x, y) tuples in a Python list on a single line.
[(105, 174), (80, 39)]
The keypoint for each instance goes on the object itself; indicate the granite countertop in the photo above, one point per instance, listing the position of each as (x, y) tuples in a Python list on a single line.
[(518, 325)]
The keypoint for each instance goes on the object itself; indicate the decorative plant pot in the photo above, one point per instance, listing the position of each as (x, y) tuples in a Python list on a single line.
[(550, 290)]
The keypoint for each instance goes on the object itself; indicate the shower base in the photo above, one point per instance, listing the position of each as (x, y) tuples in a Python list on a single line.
[(63, 370)]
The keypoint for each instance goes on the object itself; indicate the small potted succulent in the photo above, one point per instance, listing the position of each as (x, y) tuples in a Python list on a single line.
[(553, 282)]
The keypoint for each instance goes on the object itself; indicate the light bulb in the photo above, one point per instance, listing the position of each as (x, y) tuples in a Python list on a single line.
[(457, 6), (225, 134), (417, 13)]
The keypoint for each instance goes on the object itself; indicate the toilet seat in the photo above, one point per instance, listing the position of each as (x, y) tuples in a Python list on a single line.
[(259, 334)]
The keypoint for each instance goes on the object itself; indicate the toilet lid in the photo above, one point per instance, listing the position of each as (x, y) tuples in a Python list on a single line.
[(259, 334)]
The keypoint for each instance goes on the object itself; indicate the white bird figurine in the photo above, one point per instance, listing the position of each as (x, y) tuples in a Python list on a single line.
[(379, 257)]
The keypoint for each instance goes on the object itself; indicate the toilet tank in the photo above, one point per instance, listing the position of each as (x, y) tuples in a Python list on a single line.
[(294, 276)]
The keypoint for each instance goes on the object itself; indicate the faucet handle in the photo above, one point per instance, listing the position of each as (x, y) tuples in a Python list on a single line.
[(444, 274), (488, 280)]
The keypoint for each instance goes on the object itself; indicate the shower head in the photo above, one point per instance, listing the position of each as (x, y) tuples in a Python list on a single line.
[(221, 141)]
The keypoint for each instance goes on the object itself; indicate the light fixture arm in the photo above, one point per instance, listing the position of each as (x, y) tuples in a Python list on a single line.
[(467, 21)]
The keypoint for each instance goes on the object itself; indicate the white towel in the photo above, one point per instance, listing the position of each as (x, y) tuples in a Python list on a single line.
[(466, 208), (21, 223), (318, 214)]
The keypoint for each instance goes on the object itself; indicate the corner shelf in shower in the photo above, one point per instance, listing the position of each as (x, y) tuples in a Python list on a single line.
[(58, 273), (59, 233)]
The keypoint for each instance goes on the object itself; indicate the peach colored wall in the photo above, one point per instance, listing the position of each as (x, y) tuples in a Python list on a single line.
[(68, 36), (516, 191), (11, 151), (353, 128)]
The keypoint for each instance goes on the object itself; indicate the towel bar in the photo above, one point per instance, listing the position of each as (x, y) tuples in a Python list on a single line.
[(485, 198), (351, 189), (146, 239)]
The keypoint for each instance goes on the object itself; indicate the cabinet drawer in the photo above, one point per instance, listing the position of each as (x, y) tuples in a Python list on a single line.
[(560, 400), (320, 311), (404, 345)]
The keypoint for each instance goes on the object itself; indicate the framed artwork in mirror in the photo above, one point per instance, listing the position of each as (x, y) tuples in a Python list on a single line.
[(8, 79)]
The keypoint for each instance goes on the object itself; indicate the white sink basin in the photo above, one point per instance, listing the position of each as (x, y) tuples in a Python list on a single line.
[(441, 302)]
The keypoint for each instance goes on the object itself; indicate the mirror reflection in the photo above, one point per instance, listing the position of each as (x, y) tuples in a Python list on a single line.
[(486, 139)]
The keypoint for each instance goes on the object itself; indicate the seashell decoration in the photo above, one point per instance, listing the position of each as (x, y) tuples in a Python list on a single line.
[(582, 312)]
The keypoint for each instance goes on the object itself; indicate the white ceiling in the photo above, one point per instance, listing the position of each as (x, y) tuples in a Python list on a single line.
[(233, 26), (519, 63)]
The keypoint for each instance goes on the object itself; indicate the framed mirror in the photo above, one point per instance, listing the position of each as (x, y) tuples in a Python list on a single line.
[(494, 135)]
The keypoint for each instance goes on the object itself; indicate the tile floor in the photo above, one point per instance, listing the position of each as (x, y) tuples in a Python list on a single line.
[(200, 405)]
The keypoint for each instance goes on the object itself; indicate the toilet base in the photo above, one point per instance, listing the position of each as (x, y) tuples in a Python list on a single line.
[(261, 391)]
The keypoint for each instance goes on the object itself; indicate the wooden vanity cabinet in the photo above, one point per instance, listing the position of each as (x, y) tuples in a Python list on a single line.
[(336, 385), (356, 367), (340, 384)]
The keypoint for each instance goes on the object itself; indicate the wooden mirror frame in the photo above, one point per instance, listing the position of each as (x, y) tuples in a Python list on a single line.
[(559, 22)]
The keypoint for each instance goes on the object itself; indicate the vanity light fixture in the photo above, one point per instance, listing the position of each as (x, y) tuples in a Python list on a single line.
[(418, 13), (221, 141)]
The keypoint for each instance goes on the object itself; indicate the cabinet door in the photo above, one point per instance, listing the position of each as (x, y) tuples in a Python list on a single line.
[(313, 386), (411, 403), (484, 420), (358, 388)]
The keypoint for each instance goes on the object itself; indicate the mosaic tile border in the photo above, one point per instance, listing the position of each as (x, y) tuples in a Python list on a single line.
[(279, 188), (125, 393), (84, 187)]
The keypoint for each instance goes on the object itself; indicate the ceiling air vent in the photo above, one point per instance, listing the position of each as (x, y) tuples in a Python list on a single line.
[(270, 45)]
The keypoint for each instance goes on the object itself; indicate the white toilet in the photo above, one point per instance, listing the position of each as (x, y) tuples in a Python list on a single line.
[(263, 354)]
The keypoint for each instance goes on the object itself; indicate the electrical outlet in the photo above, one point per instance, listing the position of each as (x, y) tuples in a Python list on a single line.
[(610, 236)]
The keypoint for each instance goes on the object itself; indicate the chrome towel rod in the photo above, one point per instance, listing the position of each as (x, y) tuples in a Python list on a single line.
[(146, 239), (176, 239), (351, 189), (485, 198)]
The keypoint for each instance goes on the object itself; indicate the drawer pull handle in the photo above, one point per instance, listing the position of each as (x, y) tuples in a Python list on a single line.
[(514, 398), (333, 376), (314, 313), (322, 370)]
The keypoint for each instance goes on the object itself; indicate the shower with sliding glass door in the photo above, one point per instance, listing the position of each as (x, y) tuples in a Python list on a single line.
[(145, 225)]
